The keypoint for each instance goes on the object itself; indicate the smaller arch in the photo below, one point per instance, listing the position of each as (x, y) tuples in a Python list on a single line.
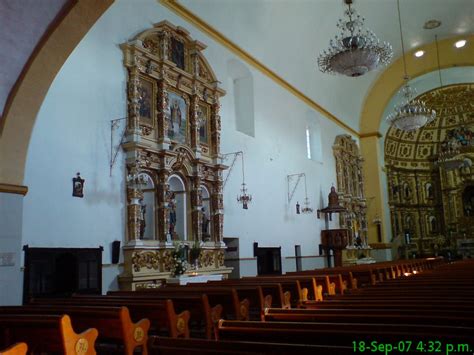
[(178, 208), (206, 223), (148, 208)]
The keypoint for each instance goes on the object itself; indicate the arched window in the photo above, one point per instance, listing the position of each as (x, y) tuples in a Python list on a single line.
[(206, 223), (242, 87), (147, 215), (177, 208), (313, 137)]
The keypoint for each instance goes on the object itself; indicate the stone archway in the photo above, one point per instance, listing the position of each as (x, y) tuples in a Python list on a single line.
[(20, 115)]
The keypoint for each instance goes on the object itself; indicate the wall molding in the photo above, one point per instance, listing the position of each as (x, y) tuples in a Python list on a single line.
[(371, 134), (202, 25), (13, 189)]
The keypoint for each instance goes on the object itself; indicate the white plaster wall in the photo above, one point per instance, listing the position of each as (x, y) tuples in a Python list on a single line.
[(72, 133), (11, 276)]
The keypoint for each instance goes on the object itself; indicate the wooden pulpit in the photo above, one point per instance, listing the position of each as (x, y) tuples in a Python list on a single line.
[(334, 240)]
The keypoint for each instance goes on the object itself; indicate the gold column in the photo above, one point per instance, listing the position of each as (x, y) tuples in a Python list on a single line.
[(376, 205), (162, 203)]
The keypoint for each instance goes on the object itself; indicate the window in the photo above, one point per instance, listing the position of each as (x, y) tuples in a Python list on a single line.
[(308, 144), (242, 86), (313, 137)]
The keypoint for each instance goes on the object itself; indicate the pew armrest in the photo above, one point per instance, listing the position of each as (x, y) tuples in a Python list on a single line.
[(16, 349), (73, 343)]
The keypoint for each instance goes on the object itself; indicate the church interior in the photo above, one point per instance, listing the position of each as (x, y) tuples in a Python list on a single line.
[(240, 167)]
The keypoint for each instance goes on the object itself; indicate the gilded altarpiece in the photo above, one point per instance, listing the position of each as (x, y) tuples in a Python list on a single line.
[(172, 141), (430, 177), (350, 189)]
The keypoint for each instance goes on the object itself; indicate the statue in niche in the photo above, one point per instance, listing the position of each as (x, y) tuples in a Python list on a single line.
[(172, 213), (429, 191), (433, 224), (142, 219), (468, 201), (205, 225), (407, 191)]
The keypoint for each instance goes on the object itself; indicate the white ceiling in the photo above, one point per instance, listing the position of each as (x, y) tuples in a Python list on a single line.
[(288, 35)]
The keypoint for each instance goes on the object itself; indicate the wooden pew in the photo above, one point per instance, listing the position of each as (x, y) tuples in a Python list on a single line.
[(160, 313), (198, 305), (272, 292), (252, 293), (17, 349), (227, 297), (338, 333), (46, 333), (369, 316), (113, 323), (172, 346)]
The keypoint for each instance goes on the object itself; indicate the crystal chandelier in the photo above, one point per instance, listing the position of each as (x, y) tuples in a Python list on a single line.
[(410, 114), (356, 50)]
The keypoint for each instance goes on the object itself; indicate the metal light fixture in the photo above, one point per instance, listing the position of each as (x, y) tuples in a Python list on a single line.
[(306, 204), (410, 114), (244, 197), (355, 51)]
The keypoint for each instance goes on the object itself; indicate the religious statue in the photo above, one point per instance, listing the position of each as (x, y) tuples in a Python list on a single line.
[(172, 212), (142, 219), (204, 224)]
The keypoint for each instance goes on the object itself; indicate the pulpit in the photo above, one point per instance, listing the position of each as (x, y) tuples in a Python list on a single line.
[(334, 240)]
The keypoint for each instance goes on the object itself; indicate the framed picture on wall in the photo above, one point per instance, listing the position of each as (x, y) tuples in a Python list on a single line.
[(146, 100), (204, 121), (178, 118), (177, 53)]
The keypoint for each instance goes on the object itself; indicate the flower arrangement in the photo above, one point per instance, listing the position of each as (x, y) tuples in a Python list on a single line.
[(194, 253), (179, 265)]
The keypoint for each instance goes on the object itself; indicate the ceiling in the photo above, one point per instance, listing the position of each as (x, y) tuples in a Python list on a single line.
[(285, 35), (288, 35), (27, 21)]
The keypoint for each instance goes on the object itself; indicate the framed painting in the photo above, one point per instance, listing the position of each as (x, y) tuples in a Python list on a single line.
[(177, 53), (146, 101), (203, 116), (178, 118)]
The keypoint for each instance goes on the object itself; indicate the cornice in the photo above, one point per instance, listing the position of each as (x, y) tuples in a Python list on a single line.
[(370, 134), (13, 189), (199, 23)]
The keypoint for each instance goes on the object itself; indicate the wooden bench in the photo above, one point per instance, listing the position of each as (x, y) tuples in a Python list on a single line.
[(322, 333), (46, 333), (172, 346), (272, 292), (113, 323), (197, 304), (227, 297), (369, 316), (160, 313), (17, 349)]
